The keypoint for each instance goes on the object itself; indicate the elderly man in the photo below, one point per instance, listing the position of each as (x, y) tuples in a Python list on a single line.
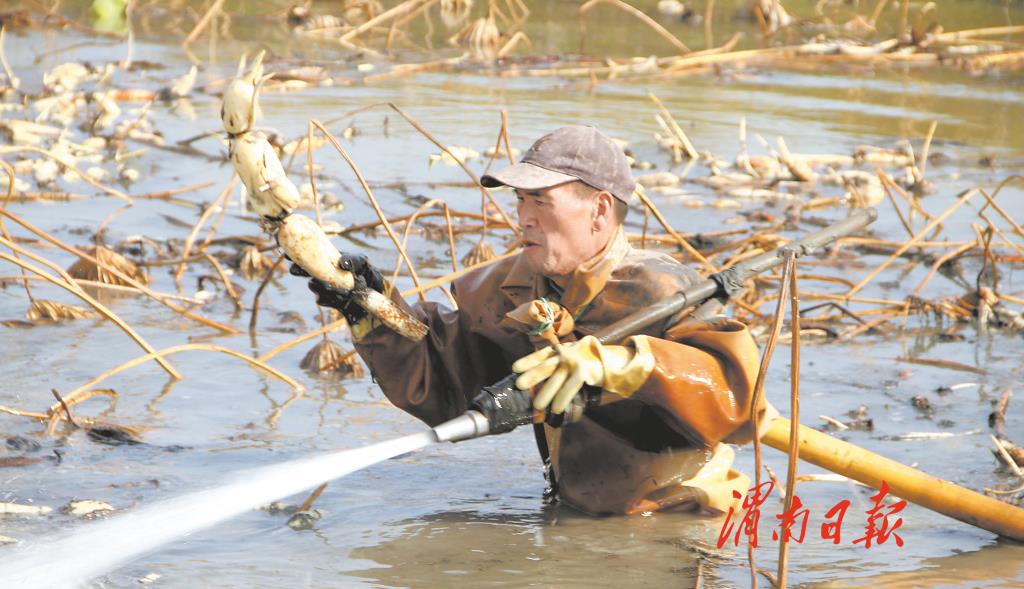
[(669, 397)]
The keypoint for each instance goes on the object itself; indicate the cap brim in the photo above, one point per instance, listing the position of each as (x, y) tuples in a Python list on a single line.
[(526, 176)]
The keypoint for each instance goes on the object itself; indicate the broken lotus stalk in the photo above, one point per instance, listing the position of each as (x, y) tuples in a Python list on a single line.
[(273, 196)]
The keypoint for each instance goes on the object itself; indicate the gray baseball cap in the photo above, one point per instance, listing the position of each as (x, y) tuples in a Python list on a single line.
[(571, 153)]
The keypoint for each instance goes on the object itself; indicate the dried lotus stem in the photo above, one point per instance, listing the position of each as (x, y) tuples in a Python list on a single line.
[(674, 129), (263, 285), (487, 194), (160, 298), (920, 235), (373, 200), (794, 403), (657, 28), (462, 271), (252, 263), (504, 135), (102, 228), (222, 202), (393, 13), (44, 310), (312, 176), (308, 503), (158, 355), (20, 413), (992, 203), (103, 310), (451, 235), (455, 12), (451, 241), (679, 238), (481, 252), (7, 199), (340, 323), (899, 212), (328, 356), (225, 280), (98, 268), (212, 233), (203, 23)]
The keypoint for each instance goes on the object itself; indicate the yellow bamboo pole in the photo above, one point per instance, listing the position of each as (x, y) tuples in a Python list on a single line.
[(905, 482)]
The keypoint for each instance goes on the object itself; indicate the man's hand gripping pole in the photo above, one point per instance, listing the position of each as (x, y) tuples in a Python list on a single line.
[(502, 407)]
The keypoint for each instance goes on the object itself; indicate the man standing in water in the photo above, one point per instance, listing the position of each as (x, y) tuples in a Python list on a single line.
[(669, 397)]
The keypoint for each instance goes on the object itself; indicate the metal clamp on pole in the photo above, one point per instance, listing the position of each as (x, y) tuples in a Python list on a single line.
[(497, 409)]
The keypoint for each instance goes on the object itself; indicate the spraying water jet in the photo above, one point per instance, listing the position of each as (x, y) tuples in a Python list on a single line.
[(102, 546)]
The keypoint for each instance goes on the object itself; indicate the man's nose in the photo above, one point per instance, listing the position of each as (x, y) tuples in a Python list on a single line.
[(526, 215)]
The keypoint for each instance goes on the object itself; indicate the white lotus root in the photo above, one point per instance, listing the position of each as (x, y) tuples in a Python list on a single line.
[(313, 251), (241, 107), (309, 247), (270, 192), (274, 197)]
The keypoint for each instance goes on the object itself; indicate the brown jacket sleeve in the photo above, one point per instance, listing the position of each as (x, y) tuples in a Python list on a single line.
[(703, 380), (433, 379)]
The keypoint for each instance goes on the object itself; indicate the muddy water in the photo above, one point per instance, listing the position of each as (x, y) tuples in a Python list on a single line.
[(472, 513)]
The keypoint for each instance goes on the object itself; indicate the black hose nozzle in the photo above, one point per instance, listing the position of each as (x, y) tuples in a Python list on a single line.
[(497, 409), (504, 406), (501, 408)]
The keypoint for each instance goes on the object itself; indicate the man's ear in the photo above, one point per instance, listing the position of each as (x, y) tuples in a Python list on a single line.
[(604, 210)]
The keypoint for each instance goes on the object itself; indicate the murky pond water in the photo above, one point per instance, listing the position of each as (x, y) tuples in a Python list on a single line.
[(472, 514)]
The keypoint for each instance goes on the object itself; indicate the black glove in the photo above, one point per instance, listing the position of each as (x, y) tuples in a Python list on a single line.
[(366, 276)]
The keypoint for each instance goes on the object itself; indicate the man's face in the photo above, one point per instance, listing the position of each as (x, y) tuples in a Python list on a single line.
[(558, 229)]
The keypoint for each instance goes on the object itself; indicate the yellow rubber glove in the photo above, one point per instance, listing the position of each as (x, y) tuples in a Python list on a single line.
[(565, 368)]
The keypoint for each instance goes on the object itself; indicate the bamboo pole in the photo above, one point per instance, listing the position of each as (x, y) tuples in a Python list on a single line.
[(908, 483)]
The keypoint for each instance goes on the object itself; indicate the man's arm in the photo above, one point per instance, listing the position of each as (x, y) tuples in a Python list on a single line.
[(435, 378), (703, 380)]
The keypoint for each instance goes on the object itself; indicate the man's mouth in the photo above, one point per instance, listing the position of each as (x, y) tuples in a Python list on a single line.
[(527, 244)]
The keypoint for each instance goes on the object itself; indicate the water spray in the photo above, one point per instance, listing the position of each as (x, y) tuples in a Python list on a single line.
[(62, 562)]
